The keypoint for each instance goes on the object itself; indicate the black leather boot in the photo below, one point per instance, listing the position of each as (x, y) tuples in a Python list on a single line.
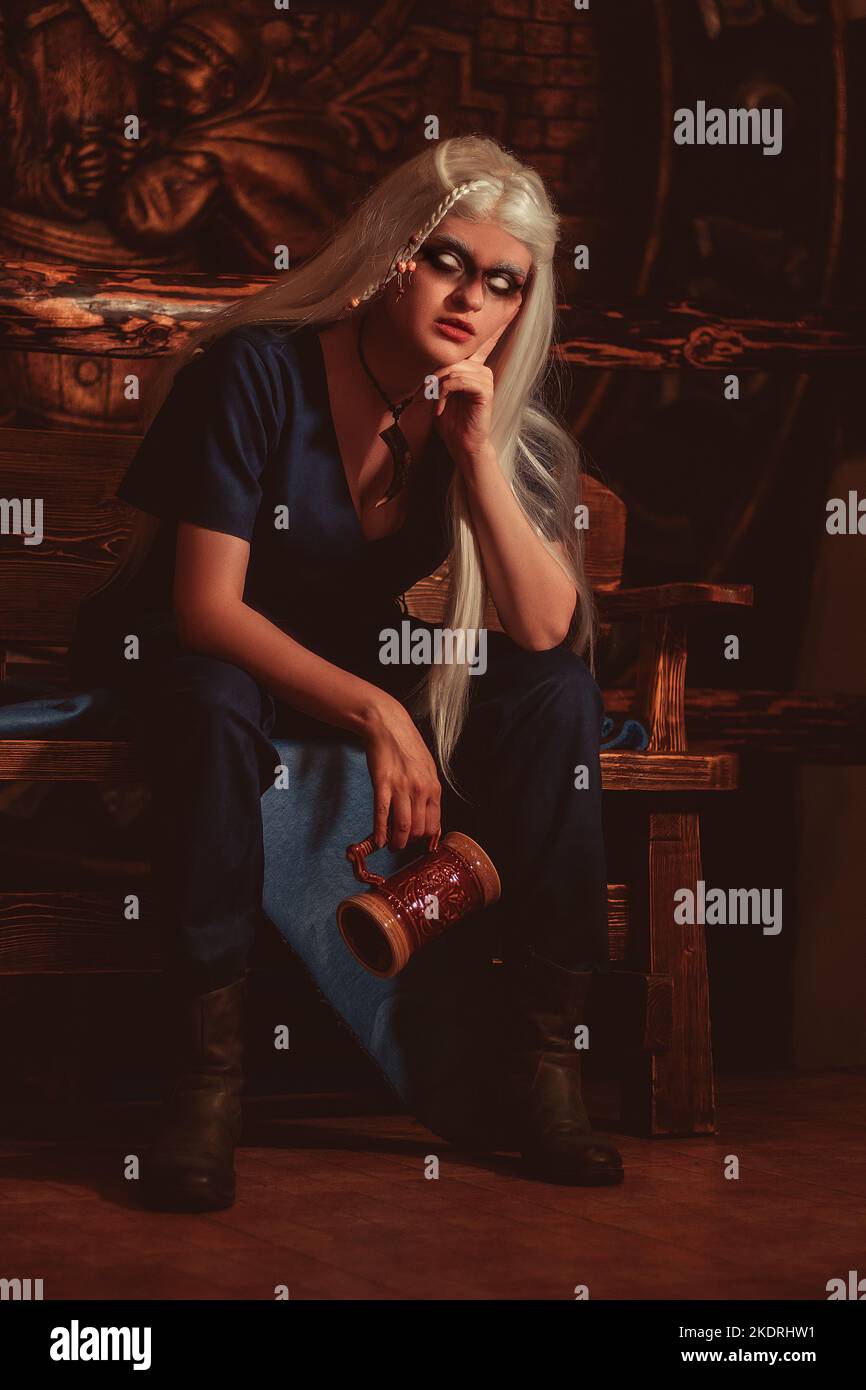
[(190, 1167), (556, 1140)]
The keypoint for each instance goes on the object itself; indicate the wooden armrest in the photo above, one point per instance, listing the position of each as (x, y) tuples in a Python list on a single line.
[(663, 610), (664, 598)]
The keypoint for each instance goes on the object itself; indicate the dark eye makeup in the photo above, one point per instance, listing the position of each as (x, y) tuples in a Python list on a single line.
[(442, 256)]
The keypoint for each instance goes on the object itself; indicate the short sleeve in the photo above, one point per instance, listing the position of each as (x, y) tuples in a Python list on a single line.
[(204, 454)]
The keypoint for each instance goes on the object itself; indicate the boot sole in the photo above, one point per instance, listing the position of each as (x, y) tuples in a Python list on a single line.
[(180, 1199), (577, 1177)]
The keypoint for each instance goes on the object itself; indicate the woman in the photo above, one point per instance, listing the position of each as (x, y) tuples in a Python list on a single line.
[(348, 428)]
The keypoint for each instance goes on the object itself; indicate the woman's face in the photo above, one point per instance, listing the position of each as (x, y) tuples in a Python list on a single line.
[(473, 271)]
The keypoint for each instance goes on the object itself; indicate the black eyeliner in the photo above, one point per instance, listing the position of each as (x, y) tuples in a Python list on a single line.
[(444, 242)]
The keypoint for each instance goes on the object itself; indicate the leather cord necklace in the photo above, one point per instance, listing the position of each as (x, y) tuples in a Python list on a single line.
[(393, 436)]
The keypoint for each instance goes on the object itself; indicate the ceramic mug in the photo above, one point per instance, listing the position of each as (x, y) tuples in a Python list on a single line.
[(384, 927)]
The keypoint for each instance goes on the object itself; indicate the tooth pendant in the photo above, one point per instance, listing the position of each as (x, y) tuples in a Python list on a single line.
[(402, 456)]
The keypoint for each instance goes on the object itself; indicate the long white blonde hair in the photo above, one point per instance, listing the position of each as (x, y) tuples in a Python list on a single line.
[(541, 460)]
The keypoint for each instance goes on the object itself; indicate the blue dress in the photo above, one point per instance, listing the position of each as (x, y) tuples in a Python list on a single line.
[(244, 443)]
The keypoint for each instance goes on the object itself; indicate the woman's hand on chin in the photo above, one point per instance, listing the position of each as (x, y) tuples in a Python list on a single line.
[(465, 408)]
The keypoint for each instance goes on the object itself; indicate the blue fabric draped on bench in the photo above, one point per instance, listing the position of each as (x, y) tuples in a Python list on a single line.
[(435, 1031)]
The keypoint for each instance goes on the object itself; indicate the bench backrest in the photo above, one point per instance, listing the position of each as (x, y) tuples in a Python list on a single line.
[(84, 527)]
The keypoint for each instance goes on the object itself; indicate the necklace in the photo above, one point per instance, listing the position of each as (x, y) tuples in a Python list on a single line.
[(393, 436)]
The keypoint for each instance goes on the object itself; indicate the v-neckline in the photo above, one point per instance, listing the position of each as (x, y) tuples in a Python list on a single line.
[(347, 491)]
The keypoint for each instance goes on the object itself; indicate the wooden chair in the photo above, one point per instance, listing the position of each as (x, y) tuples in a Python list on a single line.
[(653, 1009)]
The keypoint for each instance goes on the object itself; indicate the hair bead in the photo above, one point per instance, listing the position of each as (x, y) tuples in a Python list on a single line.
[(400, 263)]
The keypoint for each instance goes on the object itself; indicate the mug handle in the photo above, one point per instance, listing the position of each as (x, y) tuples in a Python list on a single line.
[(357, 854)]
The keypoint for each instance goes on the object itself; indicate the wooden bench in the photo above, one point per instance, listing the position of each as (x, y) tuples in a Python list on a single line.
[(652, 1011)]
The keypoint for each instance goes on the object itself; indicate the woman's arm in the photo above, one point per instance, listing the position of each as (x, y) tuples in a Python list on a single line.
[(210, 571), (211, 616), (534, 599)]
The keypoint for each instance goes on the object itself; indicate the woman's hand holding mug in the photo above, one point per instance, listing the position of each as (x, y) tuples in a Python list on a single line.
[(404, 776)]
